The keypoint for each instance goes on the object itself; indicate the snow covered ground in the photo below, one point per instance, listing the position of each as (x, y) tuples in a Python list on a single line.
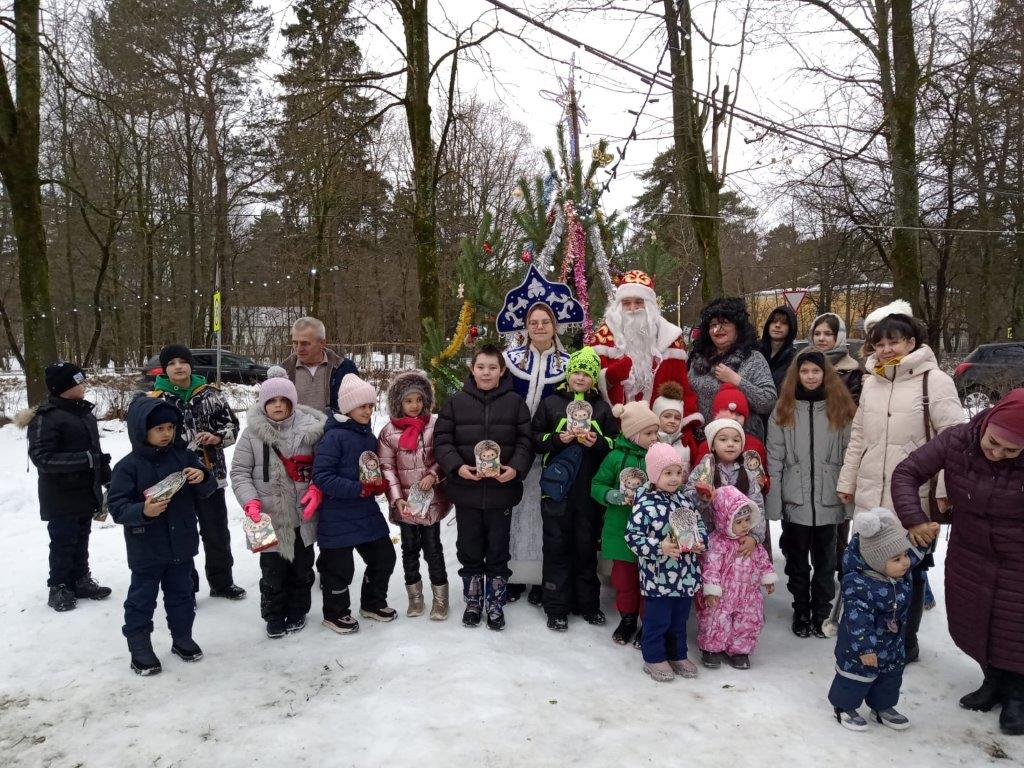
[(421, 692)]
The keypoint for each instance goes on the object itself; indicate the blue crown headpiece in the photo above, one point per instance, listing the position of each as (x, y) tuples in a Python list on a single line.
[(536, 290)]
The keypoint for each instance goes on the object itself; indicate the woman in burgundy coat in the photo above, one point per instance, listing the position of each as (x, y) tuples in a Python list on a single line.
[(984, 464)]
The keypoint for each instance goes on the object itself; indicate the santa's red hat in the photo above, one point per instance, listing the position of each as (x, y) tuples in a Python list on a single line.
[(636, 284)]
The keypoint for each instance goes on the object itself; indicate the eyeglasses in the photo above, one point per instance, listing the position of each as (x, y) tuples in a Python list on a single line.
[(539, 324)]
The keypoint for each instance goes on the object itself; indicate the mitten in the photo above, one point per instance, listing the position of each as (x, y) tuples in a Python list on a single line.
[(615, 497), (619, 371), (311, 502), (253, 509), (372, 489)]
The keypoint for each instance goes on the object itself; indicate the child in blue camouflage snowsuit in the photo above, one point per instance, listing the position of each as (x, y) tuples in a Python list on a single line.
[(870, 649)]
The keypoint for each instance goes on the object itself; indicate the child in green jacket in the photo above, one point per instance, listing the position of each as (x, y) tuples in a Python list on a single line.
[(620, 475)]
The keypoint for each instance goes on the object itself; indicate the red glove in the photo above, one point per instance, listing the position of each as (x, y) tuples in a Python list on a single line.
[(619, 371), (311, 502), (372, 489), (253, 509)]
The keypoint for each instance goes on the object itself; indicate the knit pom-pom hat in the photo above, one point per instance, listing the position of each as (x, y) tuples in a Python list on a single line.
[(670, 398), (634, 417), (881, 537), (277, 385)]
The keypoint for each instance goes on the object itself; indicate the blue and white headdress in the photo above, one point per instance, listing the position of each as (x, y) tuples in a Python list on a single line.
[(536, 290)]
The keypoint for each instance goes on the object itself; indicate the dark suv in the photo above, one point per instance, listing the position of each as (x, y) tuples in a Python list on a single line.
[(233, 368), (988, 373)]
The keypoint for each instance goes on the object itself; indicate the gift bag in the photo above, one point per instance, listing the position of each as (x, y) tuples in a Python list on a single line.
[(684, 524), (166, 488), (259, 536), (488, 458), (369, 467), (419, 505), (578, 414), (753, 464), (631, 479)]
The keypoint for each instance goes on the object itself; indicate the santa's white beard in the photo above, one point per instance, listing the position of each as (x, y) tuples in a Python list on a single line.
[(639, 343)]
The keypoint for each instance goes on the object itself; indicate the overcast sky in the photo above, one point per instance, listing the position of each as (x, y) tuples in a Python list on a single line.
[(524, 81)]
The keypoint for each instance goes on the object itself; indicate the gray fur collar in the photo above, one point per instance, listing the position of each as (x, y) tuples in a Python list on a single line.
[(307, 420)]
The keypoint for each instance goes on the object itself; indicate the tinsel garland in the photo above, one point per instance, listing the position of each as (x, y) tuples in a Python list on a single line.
[(603, 268), (547, 255), (465, 315), (575, 255)]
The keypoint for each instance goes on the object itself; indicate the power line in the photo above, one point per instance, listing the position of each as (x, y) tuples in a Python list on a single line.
[(753, 118)]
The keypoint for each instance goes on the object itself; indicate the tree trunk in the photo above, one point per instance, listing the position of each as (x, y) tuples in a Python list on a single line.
[(19, 168), (697, 187), (195, 307), (417, 111), (220, 203), (902, 112)]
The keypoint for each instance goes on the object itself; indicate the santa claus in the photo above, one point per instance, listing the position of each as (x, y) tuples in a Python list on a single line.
[(640, 350)]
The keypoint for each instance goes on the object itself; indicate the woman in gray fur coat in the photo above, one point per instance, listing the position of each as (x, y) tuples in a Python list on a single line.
[(270, 475)]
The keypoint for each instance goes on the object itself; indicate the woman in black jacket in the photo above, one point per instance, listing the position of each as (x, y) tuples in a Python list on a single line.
[(64, 444), (487, 408)]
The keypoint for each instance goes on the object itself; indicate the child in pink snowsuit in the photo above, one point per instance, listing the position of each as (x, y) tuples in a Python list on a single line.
[(732, 613)]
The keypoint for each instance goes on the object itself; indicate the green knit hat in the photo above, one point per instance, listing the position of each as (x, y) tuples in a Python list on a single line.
[(586, 361)]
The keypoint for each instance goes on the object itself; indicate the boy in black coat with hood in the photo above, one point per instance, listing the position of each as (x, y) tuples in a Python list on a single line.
[(64, 444), (777, 339), (161, 535), (487, 408), (572, 526)]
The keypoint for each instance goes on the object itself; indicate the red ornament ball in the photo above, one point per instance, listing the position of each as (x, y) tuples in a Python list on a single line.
[(488, 249), (526, 257)]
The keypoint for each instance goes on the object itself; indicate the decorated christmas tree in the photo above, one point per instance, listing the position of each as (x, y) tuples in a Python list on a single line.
[(560, 225)]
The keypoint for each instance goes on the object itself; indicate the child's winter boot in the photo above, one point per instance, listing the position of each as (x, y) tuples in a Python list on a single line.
[(497, 594), (850, 719), (623, 633), (61, 599), (185, 648), (660, 672), (144, 661), (473, 592), (890, 718), (439, 608), (86, 588), (415, 592)]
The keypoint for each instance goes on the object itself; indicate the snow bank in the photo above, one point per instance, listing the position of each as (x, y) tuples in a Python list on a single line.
[(422, 692)]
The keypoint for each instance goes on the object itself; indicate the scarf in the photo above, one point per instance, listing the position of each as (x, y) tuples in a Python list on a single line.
[(810, 395), (412, 427), (880, 366)]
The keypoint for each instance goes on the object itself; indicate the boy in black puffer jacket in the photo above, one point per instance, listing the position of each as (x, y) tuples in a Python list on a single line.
[(64, 444), (572, 526), (487, 408), (161, 536)]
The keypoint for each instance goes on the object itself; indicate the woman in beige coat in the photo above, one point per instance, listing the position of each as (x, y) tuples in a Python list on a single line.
[(890, 425)]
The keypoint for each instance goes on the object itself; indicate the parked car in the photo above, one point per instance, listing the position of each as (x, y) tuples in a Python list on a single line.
[(237, 369), (988, 373)]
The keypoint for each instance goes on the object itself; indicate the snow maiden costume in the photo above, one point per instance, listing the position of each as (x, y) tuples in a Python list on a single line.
[(535, 374)]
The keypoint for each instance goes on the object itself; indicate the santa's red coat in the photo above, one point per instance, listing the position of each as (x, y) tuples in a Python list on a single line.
[(616, 366)]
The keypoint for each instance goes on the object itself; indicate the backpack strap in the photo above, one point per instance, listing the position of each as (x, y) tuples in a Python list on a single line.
[(266, 463)]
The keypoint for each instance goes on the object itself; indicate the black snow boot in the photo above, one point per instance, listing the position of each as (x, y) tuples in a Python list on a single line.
[(535, 595), (987, 696), (231, 592), (497, 589), (144, 661), (86, 588), (623, 633), (1011, 719), (62, 599), (914, 621), (473, 593), (801, 624), (185, 648), (639, 636)]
